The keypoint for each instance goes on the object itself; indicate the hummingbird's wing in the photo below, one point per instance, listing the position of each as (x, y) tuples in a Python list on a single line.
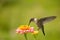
[(43, 20), (47, 19)]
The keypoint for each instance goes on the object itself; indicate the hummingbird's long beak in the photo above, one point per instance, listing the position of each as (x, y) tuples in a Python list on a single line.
[(29, 23), (32, 19)]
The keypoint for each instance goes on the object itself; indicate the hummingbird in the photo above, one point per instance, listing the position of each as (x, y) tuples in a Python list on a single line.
[(40, 22)]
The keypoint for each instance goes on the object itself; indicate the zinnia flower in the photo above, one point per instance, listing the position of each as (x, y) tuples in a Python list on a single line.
[(24, 29)]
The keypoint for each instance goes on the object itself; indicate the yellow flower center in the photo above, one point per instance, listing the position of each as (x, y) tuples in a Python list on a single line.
[(24, 27)]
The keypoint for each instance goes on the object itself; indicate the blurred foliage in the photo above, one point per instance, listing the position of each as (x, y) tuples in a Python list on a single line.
[(18, 12)]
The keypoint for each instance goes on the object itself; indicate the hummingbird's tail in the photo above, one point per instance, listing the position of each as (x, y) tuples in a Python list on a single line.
[(42, 28)]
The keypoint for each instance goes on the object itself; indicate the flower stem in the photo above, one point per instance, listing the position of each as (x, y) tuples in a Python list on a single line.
[(25, 36), (35, 37)]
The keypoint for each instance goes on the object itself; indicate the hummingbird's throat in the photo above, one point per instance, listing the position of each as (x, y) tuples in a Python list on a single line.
[(35, 20)]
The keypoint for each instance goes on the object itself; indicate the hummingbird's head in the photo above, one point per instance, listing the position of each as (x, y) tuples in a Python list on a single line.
[(32, 20)]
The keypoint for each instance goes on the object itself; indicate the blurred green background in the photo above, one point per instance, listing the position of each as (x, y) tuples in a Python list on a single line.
[(14, 13)]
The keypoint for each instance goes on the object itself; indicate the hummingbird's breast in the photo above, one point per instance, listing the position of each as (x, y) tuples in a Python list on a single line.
[(39, 23)]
